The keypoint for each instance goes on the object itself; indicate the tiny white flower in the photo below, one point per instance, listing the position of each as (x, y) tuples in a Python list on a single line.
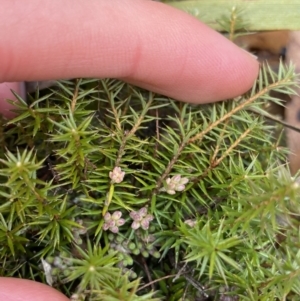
[(113, 221), (176, 183), (116, 215), (191, 222), (107, 216), (176, 179), (117, 175), (77, 297), (171, 191), (183, 181), (141, 219)]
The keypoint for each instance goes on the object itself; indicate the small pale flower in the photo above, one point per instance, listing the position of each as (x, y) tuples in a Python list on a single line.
[(176, 183), (191, 222), (113, 221), (77, 297), (116, 215), (135, 225), (114, 229), (117, 175), (107, 216), (145, 223), (105, 227), (143, 211), (141, 219), (120, 222)]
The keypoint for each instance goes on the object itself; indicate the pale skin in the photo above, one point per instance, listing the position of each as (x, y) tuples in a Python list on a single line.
[(139, 41)]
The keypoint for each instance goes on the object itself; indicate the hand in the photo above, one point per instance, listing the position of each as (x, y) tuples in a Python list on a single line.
[(141, 42), (13, 289)]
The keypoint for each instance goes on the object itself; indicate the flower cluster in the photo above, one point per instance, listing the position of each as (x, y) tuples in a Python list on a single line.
[(141, 219), (113, 221), (176, 183), (117, 175)]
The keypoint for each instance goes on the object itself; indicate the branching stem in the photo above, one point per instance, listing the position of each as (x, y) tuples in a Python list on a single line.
[(127, 135), (75, 95), (214, 163), (244, 104)]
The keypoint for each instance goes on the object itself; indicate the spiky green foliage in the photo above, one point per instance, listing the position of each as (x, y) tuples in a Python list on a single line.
[(228, 225), (109, 192)]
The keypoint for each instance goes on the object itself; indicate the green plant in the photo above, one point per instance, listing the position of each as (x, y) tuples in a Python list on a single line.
[(110, 192)]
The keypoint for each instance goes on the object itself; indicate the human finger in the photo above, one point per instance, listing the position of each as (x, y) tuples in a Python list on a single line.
[(14, 289), (143, 42)]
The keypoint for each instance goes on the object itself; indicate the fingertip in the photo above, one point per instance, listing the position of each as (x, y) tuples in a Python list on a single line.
[(188, 61), (237, 73), (146, 43), (14, 289)]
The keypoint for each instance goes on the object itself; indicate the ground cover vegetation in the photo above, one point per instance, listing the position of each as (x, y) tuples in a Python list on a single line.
[(110, 192)]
